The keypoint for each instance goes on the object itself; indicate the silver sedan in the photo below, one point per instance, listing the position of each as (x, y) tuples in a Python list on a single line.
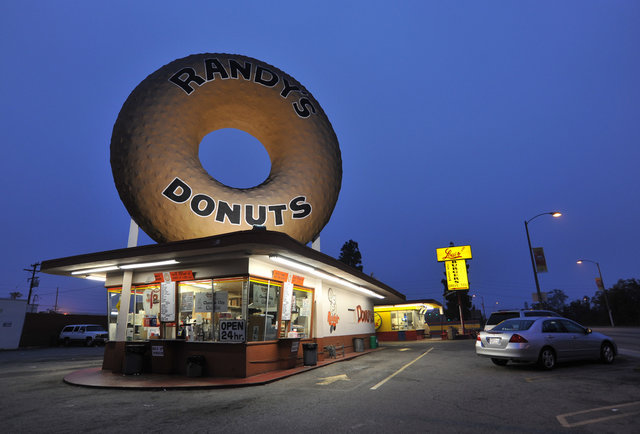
[(545, 341)]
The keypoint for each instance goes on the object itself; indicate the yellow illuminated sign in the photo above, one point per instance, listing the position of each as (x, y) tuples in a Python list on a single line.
[(453, 253), (457, 275)]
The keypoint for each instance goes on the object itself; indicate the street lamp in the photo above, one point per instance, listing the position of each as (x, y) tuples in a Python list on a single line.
[(533, 263), (604, 289)]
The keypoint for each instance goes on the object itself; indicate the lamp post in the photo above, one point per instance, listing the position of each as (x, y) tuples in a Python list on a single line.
[(533, 263), (604, 289)]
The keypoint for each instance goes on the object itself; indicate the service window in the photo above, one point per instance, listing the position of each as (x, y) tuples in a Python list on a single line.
[(142, 318), (229, 299), (195, 305), (402, 320), (301, 304), (263, 309)]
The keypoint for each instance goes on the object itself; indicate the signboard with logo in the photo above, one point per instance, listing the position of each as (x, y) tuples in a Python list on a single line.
[(457, 275), (453, 253), (454, 258)]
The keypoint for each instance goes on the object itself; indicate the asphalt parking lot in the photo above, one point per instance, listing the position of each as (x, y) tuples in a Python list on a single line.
[(425, 386)]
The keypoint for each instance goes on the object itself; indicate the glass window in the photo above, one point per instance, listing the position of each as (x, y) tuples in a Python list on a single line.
[(403, 320), (113, 303), (195, 305), (498, 317), (301, 312), (263, 310), (144, 308), (572, 327), (552, 326), (514, 325), (229, 298)]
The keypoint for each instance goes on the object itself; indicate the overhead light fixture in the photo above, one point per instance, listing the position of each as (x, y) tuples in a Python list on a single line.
[(324, 275), (292, 264), (96, 270), (148, 264), (98, 278)]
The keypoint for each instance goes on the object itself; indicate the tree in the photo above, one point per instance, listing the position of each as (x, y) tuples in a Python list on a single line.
[(350, 255), (15, 295), (451, 309), (624, 300), (556, 300)]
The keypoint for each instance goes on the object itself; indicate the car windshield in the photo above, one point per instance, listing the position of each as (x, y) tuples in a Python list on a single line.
[(95, 329), (498, 317), (512, 325)]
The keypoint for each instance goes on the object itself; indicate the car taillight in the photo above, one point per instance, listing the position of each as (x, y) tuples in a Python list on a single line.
[(517, 339), (478, 338)]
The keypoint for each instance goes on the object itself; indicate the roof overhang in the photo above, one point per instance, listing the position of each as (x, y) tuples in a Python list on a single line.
[(236, 245)]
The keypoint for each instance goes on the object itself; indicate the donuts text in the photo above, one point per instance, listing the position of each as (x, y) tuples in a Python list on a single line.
[(203, 205), (260, 75)]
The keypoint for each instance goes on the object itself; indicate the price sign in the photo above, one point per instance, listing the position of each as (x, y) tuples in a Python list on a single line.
[(232, 331), (168, 302)]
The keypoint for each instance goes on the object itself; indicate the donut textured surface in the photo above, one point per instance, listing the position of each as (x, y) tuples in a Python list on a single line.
[(156, 139)]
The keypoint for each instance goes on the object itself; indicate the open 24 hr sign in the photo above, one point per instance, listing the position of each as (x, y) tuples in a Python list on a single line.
[(232, 330)]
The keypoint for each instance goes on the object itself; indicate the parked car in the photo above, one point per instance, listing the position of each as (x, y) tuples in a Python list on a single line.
[(497, 317), (87, 334), (543, 340)]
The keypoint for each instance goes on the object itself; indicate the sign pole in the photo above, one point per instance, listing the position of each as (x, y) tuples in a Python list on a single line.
[(125, 295), (460, 311)]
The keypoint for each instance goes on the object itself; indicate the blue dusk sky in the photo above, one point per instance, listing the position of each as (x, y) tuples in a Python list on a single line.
[(457, 121)]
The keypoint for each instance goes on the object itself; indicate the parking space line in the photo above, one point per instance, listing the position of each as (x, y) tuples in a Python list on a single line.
[(599, 414), (401, 369)]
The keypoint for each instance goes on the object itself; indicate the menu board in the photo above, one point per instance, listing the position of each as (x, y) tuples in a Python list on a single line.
[(287, 295), (168, 302)]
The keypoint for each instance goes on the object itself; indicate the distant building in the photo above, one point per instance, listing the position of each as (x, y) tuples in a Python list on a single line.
[(12, 313)]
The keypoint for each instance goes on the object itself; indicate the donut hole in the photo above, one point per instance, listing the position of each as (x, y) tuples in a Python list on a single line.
[(234, 158)]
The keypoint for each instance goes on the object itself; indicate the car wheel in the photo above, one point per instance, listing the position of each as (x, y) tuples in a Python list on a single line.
[(89, 342), (606, 353), (547, 359), (66, 342), (500, 362)]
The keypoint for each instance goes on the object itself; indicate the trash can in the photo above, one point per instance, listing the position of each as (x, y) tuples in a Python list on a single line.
[(358, 345), (452, 333), (402, 335), (195, 365), (310, 354), (133, 359), (373, 342)]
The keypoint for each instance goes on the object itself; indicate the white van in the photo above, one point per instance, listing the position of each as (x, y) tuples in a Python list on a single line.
[(87, 334), (497, 317)]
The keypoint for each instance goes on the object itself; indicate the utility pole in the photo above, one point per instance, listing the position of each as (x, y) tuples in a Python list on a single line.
[(55, 308), (33, 280)]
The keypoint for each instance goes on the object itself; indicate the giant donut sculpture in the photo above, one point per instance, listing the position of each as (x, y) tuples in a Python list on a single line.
[(156, 138)]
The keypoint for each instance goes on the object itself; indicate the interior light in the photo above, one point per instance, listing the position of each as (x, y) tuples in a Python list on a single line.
[(148, 264), (95, 270), (292, 264)]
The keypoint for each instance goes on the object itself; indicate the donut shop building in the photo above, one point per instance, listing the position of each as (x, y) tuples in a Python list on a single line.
[(243, 303)]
